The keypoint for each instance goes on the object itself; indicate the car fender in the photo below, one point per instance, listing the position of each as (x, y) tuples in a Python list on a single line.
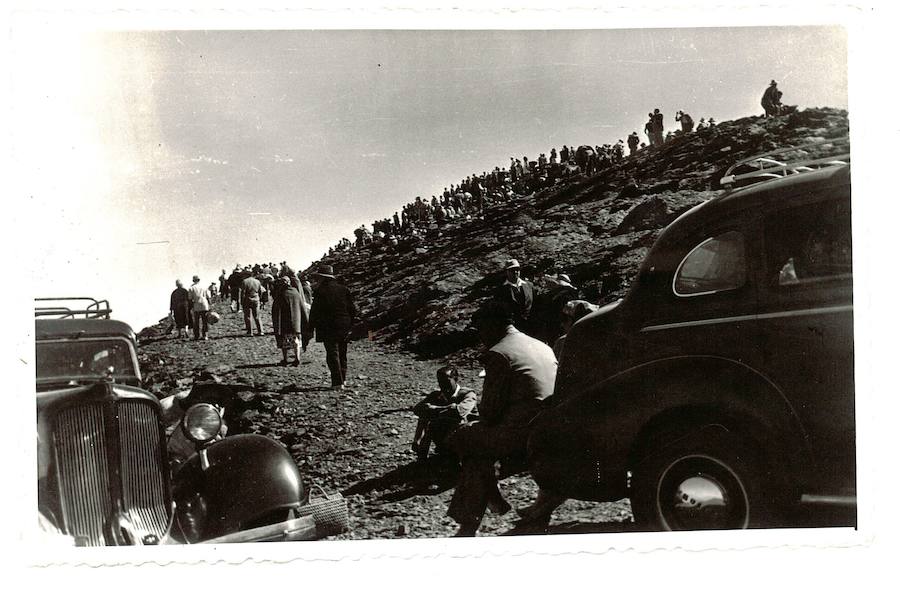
[(589, 441), (248, 479)]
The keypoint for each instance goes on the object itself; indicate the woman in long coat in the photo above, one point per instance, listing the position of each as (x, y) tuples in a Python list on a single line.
[(180, 309), (290, 317)]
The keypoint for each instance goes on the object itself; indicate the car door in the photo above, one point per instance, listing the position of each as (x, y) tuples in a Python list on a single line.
[(806, 327), (708, 298)]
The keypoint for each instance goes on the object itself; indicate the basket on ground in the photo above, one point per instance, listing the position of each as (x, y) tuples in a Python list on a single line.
[(329, 511)]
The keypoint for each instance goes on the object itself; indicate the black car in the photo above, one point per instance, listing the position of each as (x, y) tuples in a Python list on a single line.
[(105, 474), (719, 392)]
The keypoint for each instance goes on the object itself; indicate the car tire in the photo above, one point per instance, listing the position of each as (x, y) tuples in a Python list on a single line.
[(707, 479)]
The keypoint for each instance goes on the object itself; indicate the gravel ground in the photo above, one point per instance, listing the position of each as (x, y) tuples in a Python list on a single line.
[(355, 441)]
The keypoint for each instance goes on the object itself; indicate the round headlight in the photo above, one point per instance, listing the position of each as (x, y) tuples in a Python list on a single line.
[(202, 423)]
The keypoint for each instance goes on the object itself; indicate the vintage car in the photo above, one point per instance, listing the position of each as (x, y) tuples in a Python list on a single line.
[(105, 473), (718, 393)]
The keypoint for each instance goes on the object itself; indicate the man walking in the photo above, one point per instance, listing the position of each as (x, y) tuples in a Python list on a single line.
[(250, 296), (331, 316), (520, 373), (199, 297)]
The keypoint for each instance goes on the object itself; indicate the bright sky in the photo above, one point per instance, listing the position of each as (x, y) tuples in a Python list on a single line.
[(266, 146)]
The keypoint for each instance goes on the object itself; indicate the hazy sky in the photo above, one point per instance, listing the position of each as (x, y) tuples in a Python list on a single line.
[(255, 146)]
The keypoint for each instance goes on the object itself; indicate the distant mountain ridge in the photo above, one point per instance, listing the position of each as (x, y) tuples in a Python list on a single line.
[(596, 229)]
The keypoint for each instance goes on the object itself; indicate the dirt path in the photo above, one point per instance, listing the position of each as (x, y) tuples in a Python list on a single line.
[(355, 441)]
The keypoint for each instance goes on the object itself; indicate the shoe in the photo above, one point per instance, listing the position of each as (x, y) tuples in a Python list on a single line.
[(337, 387), (283, 363), (295, 363), (249, 333), (467, 530), (205, 337), (499, 506)]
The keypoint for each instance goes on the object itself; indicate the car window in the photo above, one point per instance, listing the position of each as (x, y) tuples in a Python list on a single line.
[(717, 264), (809, 244), (86, 358)]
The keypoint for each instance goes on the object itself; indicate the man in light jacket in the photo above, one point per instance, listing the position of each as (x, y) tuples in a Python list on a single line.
[(199, 297)]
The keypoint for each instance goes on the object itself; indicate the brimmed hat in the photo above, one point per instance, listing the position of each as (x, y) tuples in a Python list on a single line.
[(564, 277), (511, 264), (773, 83), (325, 270), (196, 278)]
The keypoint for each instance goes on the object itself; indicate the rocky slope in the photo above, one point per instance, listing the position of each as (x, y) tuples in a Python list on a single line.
[(417, 304), (596, 229), (355, 441)]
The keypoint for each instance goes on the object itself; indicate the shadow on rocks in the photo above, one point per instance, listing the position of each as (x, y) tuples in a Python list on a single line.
[(429, 477)]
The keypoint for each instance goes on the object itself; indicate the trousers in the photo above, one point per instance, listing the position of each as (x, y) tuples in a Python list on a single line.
[(201, 323), (336, 359), (251, 310), (478, 446)]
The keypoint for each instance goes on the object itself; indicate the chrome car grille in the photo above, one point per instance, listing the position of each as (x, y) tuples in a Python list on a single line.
[(83, 477), (89, 482)]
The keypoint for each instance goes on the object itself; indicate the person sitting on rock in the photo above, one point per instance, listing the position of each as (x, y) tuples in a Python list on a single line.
[(771, 99), (687, 124), (519, 375), (702, 124), (633, 142), (442, 412)]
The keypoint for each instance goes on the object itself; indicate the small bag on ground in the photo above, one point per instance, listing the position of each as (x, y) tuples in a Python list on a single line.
[(329, 511)]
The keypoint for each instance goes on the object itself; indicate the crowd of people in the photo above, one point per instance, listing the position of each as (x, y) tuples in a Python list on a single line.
[(522, 329), (300, 310), (424, 217)]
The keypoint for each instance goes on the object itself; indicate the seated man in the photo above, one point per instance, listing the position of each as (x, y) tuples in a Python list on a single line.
[(442, 411), (519, 373)]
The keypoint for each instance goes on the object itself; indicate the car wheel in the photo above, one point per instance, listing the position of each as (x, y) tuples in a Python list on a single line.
[(707, 479)]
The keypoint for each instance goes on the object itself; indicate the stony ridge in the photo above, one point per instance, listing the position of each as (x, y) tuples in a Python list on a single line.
[(596, 229)]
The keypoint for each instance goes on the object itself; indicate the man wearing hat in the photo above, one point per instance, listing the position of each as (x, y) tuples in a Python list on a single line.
[(516, 293), (771, 99), (331, 316), (520, 372)]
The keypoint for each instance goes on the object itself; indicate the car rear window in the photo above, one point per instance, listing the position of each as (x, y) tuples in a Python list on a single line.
[(808, 244), (717, 264)]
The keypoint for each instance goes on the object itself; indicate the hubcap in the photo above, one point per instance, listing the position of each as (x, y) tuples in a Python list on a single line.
[(701, 492)]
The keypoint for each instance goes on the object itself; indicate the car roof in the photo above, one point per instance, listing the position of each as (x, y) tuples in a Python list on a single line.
[(755, 195), (50, 329)]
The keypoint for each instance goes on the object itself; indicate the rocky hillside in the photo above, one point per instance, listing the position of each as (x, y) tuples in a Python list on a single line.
[(596, 229)]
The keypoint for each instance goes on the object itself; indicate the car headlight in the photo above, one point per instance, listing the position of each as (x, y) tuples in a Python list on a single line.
[(202, 423)]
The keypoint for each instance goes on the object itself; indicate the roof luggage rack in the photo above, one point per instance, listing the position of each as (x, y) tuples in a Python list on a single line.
[(86, 308), (768, 168)]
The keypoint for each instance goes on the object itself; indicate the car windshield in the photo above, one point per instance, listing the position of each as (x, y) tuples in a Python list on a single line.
[(74, 359)]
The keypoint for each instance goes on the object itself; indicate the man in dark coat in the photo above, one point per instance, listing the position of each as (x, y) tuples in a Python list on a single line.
[(516, 294), (331, 316), (234, 288)]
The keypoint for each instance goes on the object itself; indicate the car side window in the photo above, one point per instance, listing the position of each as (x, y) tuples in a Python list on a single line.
[(716, 264), (809, 244)]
